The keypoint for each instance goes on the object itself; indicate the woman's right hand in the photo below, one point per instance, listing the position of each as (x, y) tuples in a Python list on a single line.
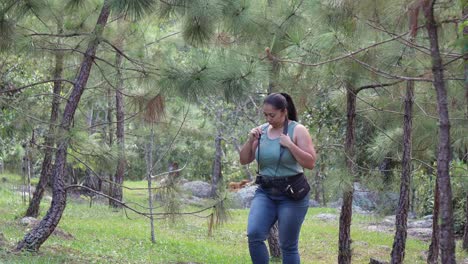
[(254, 134)]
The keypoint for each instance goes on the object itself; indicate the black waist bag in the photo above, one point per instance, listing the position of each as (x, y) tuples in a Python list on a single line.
[(298, 188), (295, 187)]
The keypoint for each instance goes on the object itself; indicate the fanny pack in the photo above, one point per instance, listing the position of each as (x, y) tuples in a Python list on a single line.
[(295, 187)]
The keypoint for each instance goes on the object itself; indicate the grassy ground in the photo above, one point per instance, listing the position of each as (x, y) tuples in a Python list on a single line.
[(102, 235)]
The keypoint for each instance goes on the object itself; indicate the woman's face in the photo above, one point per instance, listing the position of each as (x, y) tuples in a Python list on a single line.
[(273, 116)]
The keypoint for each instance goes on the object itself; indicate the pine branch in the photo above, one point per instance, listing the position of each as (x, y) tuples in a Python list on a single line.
[(15, 90)]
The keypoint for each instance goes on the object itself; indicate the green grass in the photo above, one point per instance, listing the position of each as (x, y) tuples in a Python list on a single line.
[(102, 235)]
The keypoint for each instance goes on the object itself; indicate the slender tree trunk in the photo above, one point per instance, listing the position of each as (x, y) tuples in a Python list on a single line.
[(319, 190), (465, 53), (149, 172), (273, 241), (399, 242), (465, 62), (110, 130), (217, 174), (447, 242), (33, 240), (433, 254), (120, 133), (44, 179), (344, 253)]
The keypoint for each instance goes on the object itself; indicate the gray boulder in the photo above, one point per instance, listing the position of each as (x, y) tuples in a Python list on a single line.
[(327, 217), (313, 203), (198, 189), (29, 221), (243, 198), (425, 223), (364, 198)]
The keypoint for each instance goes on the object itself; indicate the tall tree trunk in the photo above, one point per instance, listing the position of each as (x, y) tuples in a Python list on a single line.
[(319, 193), (149, 172), (110, 130), (399, 242), (216, 174), (447, 242), (465, 62), (273, 241), (433, 254), (44, 179), (465, 52), (120, 133), (33, 240), (344, 253)]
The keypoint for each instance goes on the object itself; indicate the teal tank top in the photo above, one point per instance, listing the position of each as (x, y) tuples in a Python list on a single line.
[(270, 153)]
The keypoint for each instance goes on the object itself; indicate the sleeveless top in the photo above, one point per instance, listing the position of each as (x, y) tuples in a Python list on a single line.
[(270, 153)]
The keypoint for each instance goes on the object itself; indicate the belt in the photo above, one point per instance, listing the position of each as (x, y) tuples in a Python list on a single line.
[(276, 182)]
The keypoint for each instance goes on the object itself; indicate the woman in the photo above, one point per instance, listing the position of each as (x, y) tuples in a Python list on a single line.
[(282, 156)]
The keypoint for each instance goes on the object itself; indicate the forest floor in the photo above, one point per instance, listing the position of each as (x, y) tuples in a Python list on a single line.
[(99, 234)]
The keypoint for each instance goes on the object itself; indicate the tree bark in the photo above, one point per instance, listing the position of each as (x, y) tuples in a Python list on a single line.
[(273, 241), (465, 54), (399, 241), (433, 254), (33, 240), (344, 253), (149, 172), (447, 242), (44, 179), (216, 174), (120, 132)]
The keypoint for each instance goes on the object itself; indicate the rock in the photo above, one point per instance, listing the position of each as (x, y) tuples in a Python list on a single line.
[(359, 210), (364, 198), (193, 200), (376, 261), (29, 221), (427, 217), (198, 188), (243, 198), (336, 204), (313, 203), (422, 233), (389, 220), (326, 217), (420, 224)]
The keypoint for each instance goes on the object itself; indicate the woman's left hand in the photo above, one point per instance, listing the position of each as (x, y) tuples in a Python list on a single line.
[(285, 141)]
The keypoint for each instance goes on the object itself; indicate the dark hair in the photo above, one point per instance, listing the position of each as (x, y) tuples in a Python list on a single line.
[(282, 101)]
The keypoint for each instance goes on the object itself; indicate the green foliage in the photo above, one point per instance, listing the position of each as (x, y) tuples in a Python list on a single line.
[(133, 8), (104, 236)]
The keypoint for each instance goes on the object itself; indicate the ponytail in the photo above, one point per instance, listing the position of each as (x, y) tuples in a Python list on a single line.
[(292, 112), (282, 101)]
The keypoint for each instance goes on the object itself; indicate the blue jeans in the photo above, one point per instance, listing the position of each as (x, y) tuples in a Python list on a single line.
[(266, 208)]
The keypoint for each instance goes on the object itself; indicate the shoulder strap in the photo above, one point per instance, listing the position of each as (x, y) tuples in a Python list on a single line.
[(285, 132), (258, 150)]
